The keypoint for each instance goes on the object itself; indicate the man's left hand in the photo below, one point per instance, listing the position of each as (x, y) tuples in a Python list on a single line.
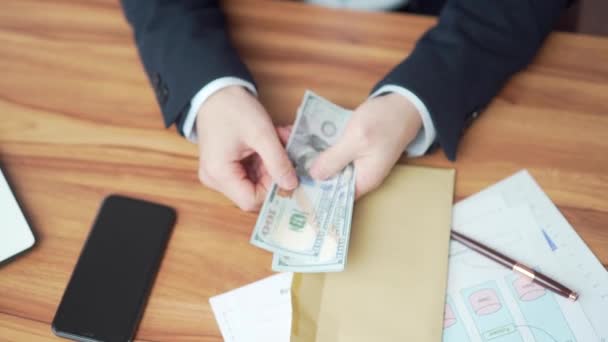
[(374, 139)]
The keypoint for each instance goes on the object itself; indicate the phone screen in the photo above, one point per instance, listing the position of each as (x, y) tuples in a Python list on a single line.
[(106, 294)]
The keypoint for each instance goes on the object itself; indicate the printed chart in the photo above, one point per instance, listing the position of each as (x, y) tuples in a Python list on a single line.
[(540, 309), (490, 314), (487, 302), (453, 327)]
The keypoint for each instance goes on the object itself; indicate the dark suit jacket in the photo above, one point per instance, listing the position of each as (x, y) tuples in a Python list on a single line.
[(455, 69)]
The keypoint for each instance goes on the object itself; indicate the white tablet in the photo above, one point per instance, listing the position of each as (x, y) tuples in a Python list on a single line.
[(15, 233)]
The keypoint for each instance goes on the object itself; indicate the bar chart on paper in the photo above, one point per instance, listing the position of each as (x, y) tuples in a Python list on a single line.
[(542, 315), (487, 302), (490, 315), (453, 328), (540, 309)]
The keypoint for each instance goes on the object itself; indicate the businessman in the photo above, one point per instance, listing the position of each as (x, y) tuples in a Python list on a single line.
[(454, 71)]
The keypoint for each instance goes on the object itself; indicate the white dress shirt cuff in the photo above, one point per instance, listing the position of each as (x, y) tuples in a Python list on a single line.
[(189, 127), (427, 134)]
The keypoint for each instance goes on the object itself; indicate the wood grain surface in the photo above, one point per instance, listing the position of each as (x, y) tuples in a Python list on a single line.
[(78, 121)]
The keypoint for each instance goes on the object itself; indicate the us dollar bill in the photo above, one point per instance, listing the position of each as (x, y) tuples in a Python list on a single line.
[(334, 250), (295, 223)]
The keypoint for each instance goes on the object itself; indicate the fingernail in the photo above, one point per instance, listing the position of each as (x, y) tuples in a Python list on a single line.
[(290, 181)]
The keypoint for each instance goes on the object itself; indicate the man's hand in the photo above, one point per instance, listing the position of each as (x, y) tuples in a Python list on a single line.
[(374, 139), (240, 152)]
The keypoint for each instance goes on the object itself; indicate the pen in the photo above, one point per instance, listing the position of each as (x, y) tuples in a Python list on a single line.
[(504, 260)]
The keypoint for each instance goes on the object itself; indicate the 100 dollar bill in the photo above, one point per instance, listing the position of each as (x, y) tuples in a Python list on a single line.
[(295, 223), (334, 250)]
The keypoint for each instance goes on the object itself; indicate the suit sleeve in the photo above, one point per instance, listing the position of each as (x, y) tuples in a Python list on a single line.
[(183, 45), (459, 65)]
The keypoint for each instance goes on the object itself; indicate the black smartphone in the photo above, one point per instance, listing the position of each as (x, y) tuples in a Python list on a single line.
[(107, 292)]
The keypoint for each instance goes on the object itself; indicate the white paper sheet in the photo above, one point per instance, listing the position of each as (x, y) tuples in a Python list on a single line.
[(15, 233), (260, 311), (488, 302)]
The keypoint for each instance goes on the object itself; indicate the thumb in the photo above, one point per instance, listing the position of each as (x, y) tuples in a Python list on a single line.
[(284, 132), (334, 159), (276, 162)]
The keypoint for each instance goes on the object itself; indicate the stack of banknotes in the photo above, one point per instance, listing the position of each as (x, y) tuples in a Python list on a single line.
[(308, 228)]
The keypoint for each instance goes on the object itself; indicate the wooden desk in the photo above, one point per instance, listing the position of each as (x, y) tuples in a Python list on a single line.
[(79, 121)]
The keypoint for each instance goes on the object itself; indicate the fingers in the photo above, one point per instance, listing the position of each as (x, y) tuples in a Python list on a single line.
[(258, 174), (334, 159), (370, 173), (284, 132), (232, 181), (275, 160), (242, 192)]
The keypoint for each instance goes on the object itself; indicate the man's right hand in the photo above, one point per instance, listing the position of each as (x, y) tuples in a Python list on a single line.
[(240, 152)]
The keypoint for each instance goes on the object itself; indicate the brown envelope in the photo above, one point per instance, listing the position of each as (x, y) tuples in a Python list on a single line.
[(393, 287)]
